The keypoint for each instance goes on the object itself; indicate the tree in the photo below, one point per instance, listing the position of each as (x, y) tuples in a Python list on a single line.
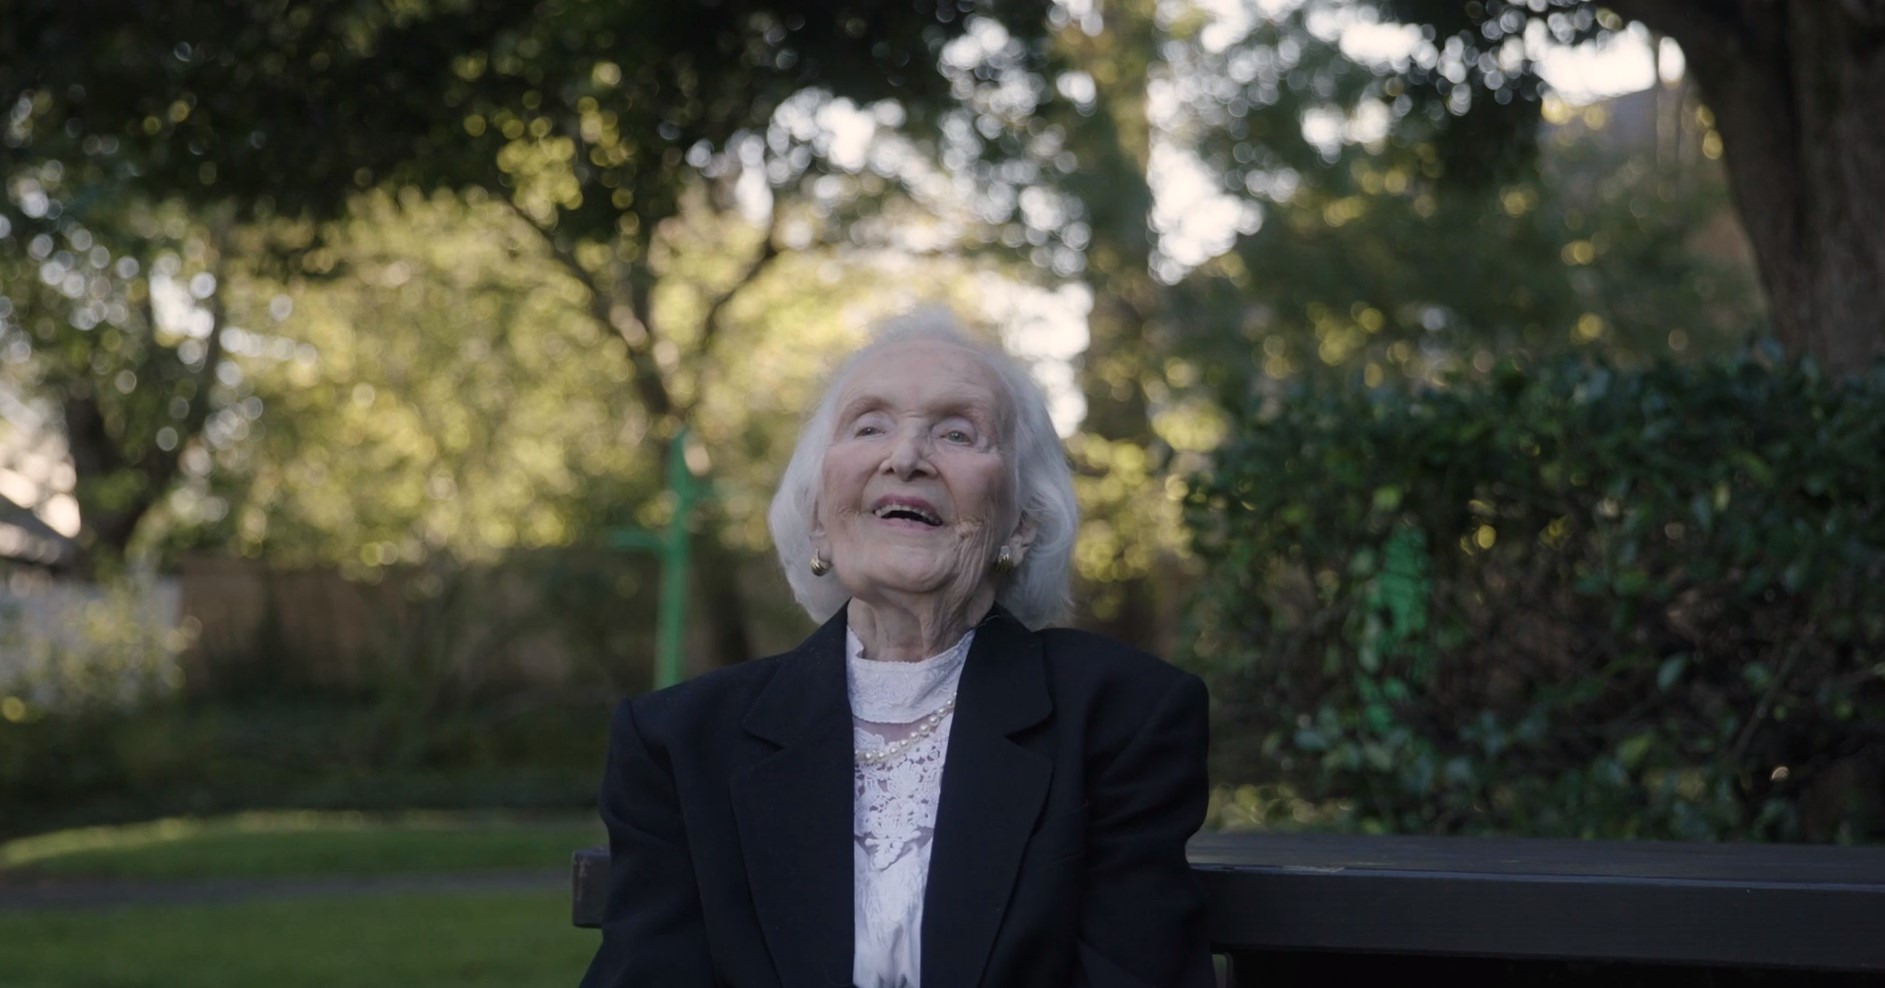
[(1794, 88), (113, 317), (1376, 257), (451, 397), (591, 120), (1428, 247)]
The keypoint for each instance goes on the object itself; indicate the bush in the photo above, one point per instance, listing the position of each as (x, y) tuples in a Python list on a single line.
[(1572, 601), (178, 758), (74, 647)]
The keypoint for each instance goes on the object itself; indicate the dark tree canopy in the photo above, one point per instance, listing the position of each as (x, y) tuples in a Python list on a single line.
[(291, 106)]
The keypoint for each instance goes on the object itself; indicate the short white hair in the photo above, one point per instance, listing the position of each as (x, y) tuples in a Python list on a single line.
[(1036, 593)]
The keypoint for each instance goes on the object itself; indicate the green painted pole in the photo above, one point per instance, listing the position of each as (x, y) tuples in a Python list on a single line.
[(671, 622), (675, 548)]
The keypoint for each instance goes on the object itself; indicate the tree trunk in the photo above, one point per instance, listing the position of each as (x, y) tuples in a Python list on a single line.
[(1113, 145), (119, 479), (1795, 87), (111, 489)]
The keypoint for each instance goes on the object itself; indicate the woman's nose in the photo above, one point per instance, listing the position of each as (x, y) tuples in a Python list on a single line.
[(909, 454)]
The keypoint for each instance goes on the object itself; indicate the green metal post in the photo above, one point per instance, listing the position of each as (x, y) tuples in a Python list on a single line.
[(676, 551), (672, 620)]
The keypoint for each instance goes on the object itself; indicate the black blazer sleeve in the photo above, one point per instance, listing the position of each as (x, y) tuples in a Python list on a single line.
[(1142, 922), (652, 930)]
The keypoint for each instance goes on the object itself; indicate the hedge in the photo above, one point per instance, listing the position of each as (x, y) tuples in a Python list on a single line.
[(1570, 600)]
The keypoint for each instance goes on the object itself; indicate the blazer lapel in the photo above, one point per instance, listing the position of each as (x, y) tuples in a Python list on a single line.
[(992, 793), (793, 809)]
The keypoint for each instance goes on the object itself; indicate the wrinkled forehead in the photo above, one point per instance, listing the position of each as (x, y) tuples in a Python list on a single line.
[(928, 370)]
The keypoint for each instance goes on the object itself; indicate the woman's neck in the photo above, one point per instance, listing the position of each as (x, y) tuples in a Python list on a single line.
[(914, 630)]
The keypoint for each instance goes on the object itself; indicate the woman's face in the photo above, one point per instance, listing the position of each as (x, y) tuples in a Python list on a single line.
[(917, 497)]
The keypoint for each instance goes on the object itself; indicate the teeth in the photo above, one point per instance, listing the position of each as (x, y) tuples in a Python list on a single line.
[(886, 510)]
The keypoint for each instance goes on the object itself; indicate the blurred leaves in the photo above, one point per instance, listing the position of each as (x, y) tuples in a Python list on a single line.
[(450, 394), (221, 101), (78, 650), (1598, 657), (112, 325)]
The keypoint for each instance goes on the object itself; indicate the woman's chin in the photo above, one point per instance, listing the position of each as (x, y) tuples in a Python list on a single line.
[(913, 587)]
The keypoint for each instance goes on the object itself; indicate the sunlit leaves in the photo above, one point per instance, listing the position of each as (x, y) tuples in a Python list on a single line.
[(112, 335), (452, 397)]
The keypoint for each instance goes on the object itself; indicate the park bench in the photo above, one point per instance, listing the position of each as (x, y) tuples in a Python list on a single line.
[(1330, 910)]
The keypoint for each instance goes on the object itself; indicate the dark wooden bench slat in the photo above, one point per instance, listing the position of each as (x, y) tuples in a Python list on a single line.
[(1720, 905), (1791, 864)]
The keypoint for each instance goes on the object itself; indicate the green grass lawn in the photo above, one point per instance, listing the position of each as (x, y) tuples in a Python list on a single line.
[(409, 940), (467, 940), (295, 844)]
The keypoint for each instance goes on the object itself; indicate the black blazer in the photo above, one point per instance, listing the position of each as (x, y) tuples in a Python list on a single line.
[(1074, 776)]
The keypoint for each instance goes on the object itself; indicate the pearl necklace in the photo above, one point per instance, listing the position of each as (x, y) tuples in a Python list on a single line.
[(924, 728)]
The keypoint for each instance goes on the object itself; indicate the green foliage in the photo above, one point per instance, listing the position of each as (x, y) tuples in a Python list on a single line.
[(293, 108), (591, 123), (1595, 252), (1372, 253), (449, 395), (1575, 600), (111, 320), (175, 759), (78, 649), (1482, 88)]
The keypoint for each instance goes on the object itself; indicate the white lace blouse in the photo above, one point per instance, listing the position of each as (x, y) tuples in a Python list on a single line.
[(901, 714)]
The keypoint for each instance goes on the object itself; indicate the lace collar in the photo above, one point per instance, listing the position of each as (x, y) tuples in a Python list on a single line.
[(901, 692)]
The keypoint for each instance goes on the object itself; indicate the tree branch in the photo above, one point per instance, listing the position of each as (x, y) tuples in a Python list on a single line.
[(205, 377), (650, 385), (768, 252)]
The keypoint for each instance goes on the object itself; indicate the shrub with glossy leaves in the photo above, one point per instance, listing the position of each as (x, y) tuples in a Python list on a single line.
[(1570, 600)]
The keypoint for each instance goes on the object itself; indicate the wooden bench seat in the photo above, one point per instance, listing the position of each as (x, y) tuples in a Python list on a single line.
[(1316, 909)]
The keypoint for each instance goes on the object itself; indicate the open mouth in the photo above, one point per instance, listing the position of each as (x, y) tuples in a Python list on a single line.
[(907, 512)]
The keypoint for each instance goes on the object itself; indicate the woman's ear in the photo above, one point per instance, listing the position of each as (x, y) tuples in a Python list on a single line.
[(821, 543), (1021, 540)]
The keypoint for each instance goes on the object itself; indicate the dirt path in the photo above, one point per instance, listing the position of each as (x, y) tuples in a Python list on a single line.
[(47, 893)]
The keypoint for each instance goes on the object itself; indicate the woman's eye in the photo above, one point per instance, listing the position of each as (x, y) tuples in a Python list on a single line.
[(956, 436), (866, 430)]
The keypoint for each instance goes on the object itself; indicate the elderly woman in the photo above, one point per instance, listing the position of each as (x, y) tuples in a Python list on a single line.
[(933, 790)]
